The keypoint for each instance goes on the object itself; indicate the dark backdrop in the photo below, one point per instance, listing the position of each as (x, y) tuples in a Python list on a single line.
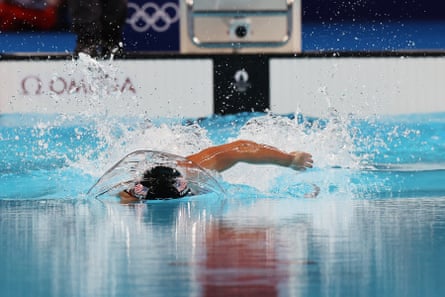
[(367, 10)]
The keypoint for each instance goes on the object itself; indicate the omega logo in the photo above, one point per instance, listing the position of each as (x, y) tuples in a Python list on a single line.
[(34, 85)]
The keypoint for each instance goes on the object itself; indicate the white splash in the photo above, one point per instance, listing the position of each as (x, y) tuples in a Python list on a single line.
[(330, 143)]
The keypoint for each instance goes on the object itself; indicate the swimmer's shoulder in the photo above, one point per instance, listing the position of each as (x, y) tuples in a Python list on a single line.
[(127, 197)]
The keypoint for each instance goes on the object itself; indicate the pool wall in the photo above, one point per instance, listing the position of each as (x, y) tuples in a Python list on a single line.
[(202, 85)]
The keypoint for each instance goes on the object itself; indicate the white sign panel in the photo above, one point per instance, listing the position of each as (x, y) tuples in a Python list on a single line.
[(361, 86), (164, 88)]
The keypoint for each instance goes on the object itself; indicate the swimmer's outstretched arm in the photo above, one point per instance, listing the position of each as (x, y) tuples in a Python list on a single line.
[(224, 156)]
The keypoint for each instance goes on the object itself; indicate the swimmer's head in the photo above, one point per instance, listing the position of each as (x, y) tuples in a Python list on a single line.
[(162, 182)]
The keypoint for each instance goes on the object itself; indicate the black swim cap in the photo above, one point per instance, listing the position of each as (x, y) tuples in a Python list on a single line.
[(164, 182)]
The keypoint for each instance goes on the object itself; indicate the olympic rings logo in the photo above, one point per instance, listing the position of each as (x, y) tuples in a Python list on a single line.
[(151, 15)]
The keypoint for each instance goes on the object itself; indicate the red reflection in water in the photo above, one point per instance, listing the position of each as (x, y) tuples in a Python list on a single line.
[(241, 262)]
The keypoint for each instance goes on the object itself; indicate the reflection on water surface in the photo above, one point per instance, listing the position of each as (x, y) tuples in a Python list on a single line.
[(248, 247)]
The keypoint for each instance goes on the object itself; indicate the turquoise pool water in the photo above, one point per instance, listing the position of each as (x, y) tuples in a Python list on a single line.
[(376, 228)]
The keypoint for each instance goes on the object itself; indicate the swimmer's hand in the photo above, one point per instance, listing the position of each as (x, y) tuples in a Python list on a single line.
[(301, 160)]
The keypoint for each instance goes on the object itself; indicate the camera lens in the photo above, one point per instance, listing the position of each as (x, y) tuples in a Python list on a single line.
[(241, 31)]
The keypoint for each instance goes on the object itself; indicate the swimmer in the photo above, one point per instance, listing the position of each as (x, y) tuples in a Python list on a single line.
[(163, 182)]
